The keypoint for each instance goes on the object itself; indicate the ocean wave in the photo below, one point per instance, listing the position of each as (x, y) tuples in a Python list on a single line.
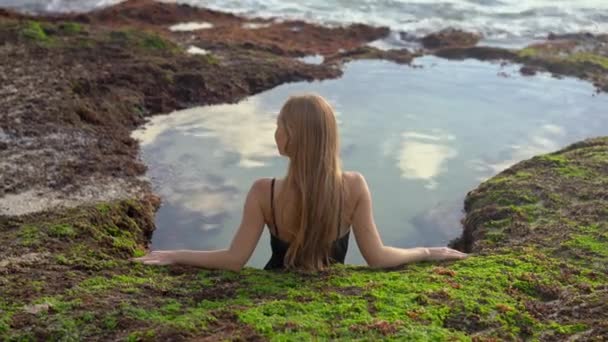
[(495, 19)]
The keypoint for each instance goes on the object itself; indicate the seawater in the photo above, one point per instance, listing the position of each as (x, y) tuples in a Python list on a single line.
[(502, 22), (422, 137)]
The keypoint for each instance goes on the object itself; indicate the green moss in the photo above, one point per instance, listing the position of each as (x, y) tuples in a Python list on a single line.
[(565, 167), (141, 335), (29, 235), (103, 208), (71, 27), (96, 284), (122, 237), (495, 237), (210, 59), (34, 31), (576, 57), (587, 57), (139, 253), (62, 259), (62, 231), (87, 317), (567, 329), (110, 322), (576, 172), (592, 228), (38, 285), (556, 159), (510, 197), (589, 244), (5, 319), (172, 314), (124, 243), (502, 223), (531, 212), (528, 52), (58, 304), (121, 282), (314, 318), (85, 257), (530, 250), (145, 40), (154, 42), (340, 308)]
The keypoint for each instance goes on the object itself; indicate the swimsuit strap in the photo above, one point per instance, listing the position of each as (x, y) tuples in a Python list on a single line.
[(339, 218), (274, 220)]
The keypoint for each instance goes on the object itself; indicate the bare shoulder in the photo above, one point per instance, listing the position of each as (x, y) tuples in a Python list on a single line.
[(353, 177), (261, 187), (355, 182)]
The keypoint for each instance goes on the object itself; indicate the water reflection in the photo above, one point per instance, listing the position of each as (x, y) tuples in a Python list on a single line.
[(542, 140), (243, 129), (188, 153), (437, 225), (422, 156), (423, 137)]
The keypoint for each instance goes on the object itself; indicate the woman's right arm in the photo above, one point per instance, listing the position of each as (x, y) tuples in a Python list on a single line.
[(375, 253)]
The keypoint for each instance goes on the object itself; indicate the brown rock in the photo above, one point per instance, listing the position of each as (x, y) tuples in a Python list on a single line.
[(450, 38), (527, 70)]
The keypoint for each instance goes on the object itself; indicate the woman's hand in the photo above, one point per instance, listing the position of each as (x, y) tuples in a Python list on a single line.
[(444, 253), (157, 258)]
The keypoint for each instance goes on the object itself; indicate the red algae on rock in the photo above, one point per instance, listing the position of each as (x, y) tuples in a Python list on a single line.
[(91, 78)]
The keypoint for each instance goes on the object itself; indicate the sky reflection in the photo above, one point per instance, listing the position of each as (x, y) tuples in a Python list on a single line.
[(422, 138), (422, 156)]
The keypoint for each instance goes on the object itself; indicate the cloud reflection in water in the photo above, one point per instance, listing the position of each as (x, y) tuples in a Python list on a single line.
[(547, 138), (422, 155), (242, 128), (238, 134)]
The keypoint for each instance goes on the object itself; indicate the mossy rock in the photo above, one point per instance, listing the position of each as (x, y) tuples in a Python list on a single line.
[(71, 27), (144, 40), (535, 261), (33, 30)]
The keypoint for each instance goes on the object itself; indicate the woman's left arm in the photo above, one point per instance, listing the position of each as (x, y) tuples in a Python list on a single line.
[(240, 250)]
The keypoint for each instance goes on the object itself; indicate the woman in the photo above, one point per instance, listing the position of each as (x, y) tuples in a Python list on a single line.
[(310, 211)]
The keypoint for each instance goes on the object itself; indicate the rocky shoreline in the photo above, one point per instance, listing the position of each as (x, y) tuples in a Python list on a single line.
[(75, 86)]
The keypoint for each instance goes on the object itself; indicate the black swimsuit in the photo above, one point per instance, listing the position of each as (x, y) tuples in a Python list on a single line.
[(279, 247)]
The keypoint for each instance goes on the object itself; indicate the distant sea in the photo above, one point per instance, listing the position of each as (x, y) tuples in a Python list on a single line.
[(497, 20)]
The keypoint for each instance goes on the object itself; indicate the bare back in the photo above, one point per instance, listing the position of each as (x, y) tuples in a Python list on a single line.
[(283, 209)]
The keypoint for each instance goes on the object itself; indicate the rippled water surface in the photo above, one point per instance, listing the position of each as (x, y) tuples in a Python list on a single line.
[(422, 137)]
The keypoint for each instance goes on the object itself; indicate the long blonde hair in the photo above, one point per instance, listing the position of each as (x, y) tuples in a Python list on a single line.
[(315, 175)]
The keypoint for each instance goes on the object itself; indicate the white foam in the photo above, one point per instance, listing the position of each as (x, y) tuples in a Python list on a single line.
[(495, 19), (255, 26), (504, 19), (311, 59), (197, 51), (191, 26)]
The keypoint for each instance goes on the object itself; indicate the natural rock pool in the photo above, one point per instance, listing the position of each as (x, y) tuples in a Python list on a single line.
[(422, 136)]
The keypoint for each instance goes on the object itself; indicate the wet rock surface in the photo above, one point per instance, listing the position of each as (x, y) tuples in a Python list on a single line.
[(74, 87), (584, 56), (450, 38)]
